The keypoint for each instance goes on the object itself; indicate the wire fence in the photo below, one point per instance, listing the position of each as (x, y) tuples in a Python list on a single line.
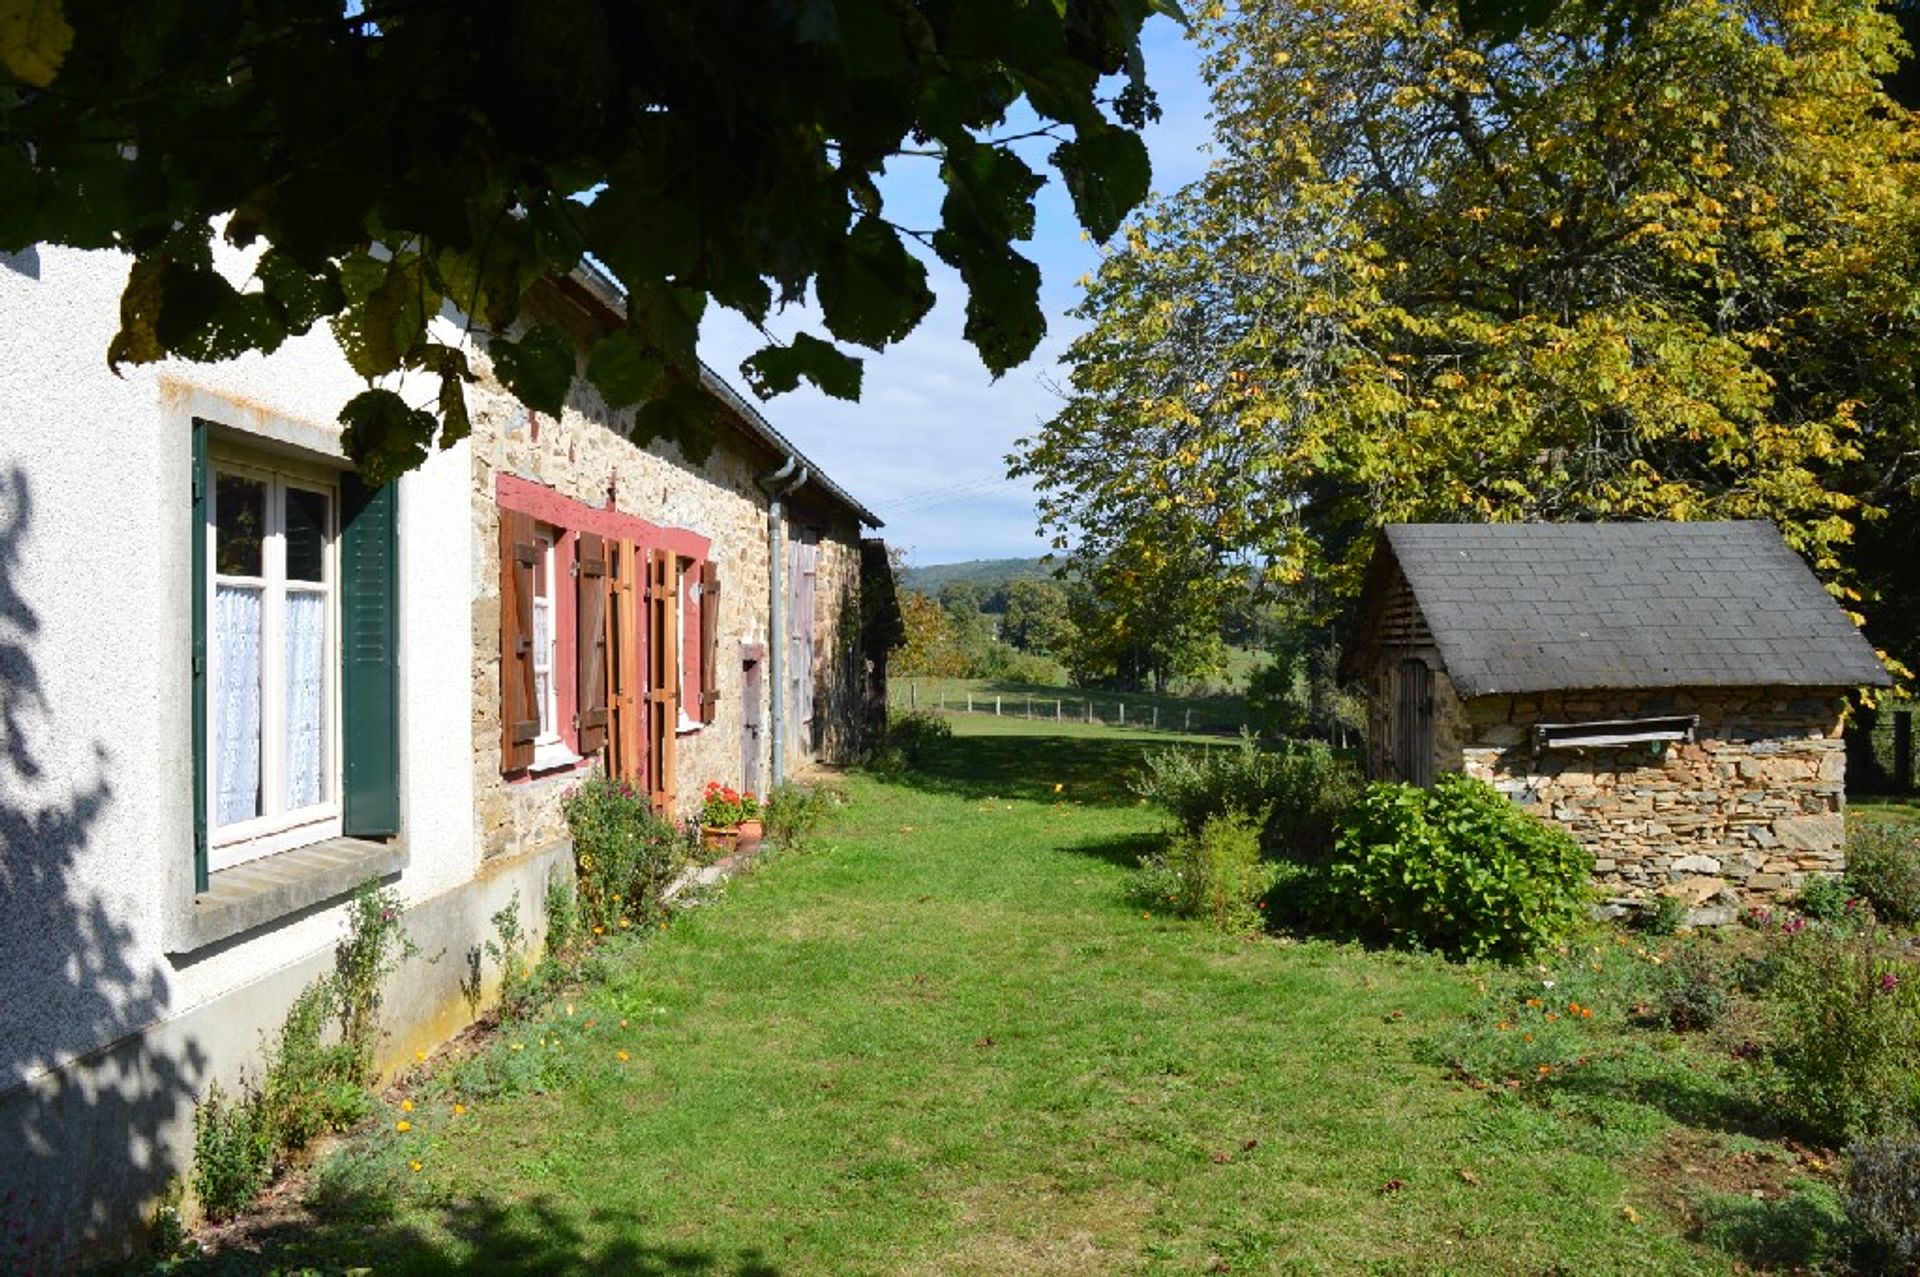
[(1111, 709)]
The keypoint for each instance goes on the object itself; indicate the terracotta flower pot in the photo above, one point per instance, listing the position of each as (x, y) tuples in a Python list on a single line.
[(751, 831), (719, 839)]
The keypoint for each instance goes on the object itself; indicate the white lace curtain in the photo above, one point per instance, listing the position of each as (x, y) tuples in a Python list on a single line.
[(306, 679), (236, 730)]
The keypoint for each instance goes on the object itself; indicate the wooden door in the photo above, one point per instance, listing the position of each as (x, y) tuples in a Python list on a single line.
[(1413, 723), (752, 712), (663, 669)]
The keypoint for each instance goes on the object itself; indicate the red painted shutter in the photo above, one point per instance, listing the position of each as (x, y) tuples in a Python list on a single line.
[(709, 640), (663, 666), (590, 636), (626, 729), (519, 718)]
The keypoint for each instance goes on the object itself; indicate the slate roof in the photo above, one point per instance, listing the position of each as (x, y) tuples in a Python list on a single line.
[(1527, 607)]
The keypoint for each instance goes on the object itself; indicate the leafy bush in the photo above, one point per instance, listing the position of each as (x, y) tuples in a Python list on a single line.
[(1693, 990), (375, 945), (1823, 899), (1662, 916), (232, 1151), (626, 854), (1848, 1033), (1215, 873), (1456, 868), (563, 914), (312, 1086), (1883, 866), (793, 812), (1883, 1201), (910, 739), (1295, 794)]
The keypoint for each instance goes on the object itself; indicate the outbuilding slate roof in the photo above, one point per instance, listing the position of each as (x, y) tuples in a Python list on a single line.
[(1528, 607)]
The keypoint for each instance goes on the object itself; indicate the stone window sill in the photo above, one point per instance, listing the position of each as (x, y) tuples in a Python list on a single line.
[(261, 892)]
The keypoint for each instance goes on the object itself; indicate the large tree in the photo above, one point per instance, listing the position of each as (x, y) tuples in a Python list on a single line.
[(1654, 261), (392, 156)]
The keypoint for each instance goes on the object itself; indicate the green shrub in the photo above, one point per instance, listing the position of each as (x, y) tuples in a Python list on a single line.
[(1824, 899), (310, 1085), (232, 1151), (1883, 1201), (1847, 1012), (1883, 866), (626, 854), (1693, 990), (563, 914), (1662, 916), (793, 812), (375, 945), (1456, 868), (1295, 794), (909, 741), (1215, 873)]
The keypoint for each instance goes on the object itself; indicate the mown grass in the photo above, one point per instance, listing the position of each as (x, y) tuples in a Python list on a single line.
[(949, 1039)]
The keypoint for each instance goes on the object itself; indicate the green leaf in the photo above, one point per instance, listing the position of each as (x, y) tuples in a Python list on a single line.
[(875, 291), (34, 39), (778, 369), (538, 368), (384, 437), (1107, 173), (623, 370)]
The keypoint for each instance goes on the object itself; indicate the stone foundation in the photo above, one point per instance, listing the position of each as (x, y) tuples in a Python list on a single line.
[(1749, 810)]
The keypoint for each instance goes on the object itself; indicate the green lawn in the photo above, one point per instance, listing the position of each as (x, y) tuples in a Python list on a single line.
[(947, 1039)]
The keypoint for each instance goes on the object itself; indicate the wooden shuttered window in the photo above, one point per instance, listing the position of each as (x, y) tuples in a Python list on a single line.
[(663, 665), (519, 715), (369, 658), (626, 676), (590, 638), (202, 496), (709, 640)]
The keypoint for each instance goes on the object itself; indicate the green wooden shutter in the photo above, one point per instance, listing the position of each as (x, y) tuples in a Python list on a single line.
[(369, 658), (202, 484)]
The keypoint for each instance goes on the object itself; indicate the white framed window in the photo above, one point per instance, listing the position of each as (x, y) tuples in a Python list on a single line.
[(549, 748), (273, 660), (689, 584)]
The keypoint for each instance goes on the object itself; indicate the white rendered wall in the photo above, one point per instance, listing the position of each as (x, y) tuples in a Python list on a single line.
[(95, 662)]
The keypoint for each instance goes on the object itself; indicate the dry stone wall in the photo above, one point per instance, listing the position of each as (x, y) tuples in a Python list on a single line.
[(584, 456), (1748, 810)]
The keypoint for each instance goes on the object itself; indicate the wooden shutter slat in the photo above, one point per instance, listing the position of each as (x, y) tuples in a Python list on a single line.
[(369, 659), (709, 640), (519, 716), (590, 636), (663, 658), (626, 732)]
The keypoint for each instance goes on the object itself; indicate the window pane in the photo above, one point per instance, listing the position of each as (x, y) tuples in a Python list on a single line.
[(236, 703), (542, 691), (240, 524), (306, 711), (306, 535)]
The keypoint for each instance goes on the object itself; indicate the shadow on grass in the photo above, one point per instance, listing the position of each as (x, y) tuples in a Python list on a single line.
[(1088, 769), (1698, 1100), (1124, 850), (513, 1239), (1793, 1233)]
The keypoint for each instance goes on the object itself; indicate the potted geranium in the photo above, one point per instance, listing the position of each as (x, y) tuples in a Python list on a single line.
[(728, 816)]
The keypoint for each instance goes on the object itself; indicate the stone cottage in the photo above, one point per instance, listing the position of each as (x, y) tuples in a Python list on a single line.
[(235, 683), (1671, 693)]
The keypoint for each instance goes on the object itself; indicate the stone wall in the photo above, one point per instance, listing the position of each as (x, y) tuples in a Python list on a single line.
[(1748, 810), (586, 457)]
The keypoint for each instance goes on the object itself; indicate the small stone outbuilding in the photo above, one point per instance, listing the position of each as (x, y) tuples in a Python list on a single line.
[(1671, 693)]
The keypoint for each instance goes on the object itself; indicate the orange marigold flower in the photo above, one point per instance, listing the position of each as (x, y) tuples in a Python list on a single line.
[(622, 1056), (1533, 1002), (403, 1126), (459, 1110), (1545, 1069), (414, 1165), (1551, 1016), (406, 1106), (1503, 1026)]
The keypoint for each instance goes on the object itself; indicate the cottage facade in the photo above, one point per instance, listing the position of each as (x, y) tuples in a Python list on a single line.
[(1670, 693), (235, 683)]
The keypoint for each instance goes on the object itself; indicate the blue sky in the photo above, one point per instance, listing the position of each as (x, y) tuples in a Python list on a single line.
[(925, 446)]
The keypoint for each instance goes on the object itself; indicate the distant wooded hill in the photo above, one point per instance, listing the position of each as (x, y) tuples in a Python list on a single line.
[(988, 574)]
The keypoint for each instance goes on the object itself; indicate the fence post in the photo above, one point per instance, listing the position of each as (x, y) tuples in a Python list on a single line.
[(1029, 704), (1056, 709), (969, 702), (1089, 712), (1156, 718), (1188, 725), (913, 693), (996, 706)]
